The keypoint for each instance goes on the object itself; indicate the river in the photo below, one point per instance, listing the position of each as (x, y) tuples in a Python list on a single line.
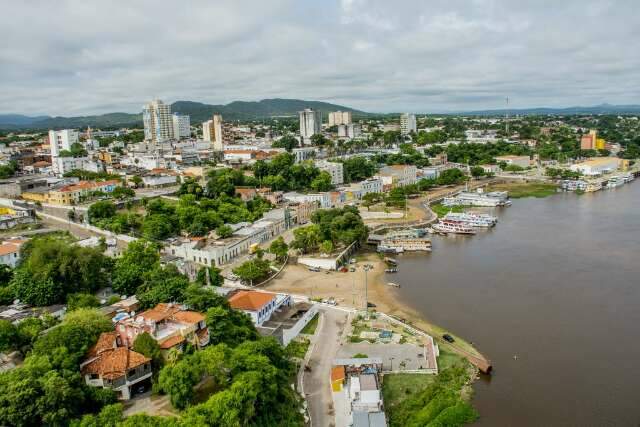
[(555, 283)]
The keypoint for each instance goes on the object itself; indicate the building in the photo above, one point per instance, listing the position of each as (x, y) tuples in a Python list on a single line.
[(398, 176), (589, 141), (258, 305), (10, 252), (15, 215), (169, 324), (351, 130), (335, 169), (75, 193), (158, 122), (118, 368), (246, 193), (321, 199), (337, 118), (62, 140), (302, 154), (310, 124), (521, 161), (407, 123), (597, 166), (181, 126), (62, 165)]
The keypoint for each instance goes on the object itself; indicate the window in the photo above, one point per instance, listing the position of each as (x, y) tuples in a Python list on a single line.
[(93, 376), (131, 372)]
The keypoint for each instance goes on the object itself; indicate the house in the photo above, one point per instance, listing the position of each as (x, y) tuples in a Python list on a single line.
[(169, 324), (258, 305), (10, 252), (15, 215), (246, 194), (597, 166), (335, 169), (273, 197), (118, 368), (323, 199)]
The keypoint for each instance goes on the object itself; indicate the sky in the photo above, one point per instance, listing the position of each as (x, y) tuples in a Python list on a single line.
[(88, 57)]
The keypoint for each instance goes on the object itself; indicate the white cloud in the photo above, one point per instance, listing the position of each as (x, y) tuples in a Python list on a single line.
[(72, 57)]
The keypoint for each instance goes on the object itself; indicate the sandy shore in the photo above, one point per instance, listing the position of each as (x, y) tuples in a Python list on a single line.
[(348, 289)]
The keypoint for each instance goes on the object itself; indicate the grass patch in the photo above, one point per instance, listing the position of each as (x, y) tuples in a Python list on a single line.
[(311, 327), (360, 356), (441, 210), (528, 189), (448, 359), (397, 387), (297, 348)]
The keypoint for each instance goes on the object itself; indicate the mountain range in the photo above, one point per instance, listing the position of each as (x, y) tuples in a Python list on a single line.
[(266, 108), (199, 112)]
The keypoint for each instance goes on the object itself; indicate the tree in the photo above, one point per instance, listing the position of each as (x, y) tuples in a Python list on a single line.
[(319, 140), (477, 171), (161, 284), (122, 193), (136, 180), (371, 199), (322, 182), (129, 271), (103, 209), (306, 239), (326, 247), (224, 231), (146, 345), (451, 176), (229, 326), (157, 227), (288, 142), (178, 382), (9, 337), (81, 300), (252, 270), (279, 248), (209, 276), (201, 299)]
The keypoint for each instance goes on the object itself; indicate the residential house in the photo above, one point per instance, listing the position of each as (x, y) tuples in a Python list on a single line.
[(118, 368), (75, 193), (246, 194), (10, 252), (397, 176), (169, 324), (258, 305)]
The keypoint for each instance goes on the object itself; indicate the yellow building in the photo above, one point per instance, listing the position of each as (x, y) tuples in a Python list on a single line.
[(600, 144), (71, 194)]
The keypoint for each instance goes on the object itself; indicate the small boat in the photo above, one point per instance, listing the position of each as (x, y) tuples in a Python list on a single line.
[(391, 270), (391, 261), (395, 285)]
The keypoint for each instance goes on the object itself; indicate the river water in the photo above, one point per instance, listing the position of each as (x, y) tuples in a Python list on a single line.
[(556, 283)]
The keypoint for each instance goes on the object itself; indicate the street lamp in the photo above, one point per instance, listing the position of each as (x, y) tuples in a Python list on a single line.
[(366, 268)]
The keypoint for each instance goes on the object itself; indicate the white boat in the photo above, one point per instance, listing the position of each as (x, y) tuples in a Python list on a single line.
[(395, 285), (473, 219), (406, 244), (451, 226), (615, 181), (390, 249), (478, 199)]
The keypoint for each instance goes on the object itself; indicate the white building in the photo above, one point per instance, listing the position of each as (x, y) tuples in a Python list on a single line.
[(258, 305), (351, 130), (62, 140), (62, 165), (335, 169), (310, 124), (407, 123), (212, 132), (302, 154), (158, 124), (323, 199), (340, 118), (10, 252), (596, 166), (398, 175), (181, 126)]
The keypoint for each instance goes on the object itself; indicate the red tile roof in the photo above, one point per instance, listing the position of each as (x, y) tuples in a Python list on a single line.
[(114, 363), (106, 341), (171, 342), (250, 300)]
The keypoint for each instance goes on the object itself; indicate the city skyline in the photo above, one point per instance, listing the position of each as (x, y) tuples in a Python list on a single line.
[(372, 56)]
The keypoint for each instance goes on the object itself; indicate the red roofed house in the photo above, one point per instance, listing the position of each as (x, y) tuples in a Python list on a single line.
[(246, 194), (169, 324), (258, 305), (117, 368)]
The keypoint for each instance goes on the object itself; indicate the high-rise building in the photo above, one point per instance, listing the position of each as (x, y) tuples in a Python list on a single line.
[(181, 126), (340, 118), (407, 123), (208, 131), (310, 124), (62, 140), (158, 124), (352, 130)]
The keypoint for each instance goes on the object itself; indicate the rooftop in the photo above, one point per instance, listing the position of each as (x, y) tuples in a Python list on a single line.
[(114, 362), (250, 300)]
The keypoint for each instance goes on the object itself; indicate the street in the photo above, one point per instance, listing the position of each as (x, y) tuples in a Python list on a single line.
[(317, 383)]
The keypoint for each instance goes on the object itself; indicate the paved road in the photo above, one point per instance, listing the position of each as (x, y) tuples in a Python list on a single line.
[(317, 383)]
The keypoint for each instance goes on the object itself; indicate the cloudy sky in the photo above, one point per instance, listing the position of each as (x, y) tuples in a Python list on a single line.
[(85, 57)]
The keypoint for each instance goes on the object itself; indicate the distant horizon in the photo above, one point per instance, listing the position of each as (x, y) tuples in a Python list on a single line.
[(480, 109)]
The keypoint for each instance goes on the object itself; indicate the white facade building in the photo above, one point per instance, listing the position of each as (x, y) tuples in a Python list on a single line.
[(596, 166), (398, 175), (181, 126), (158, 124), (335, 169), (351, 130), (62, 165), (340, 118), (302, 154), (62, 140), (323, 199), (310, 124), (407, 123)]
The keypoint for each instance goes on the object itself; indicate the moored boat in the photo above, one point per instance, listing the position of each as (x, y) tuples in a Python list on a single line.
[(452, 226)]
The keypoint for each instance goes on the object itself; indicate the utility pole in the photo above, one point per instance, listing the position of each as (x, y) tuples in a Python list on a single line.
[(366, 268)]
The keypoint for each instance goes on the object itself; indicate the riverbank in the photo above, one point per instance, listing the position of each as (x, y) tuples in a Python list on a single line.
[(518, 190), (348, 289)]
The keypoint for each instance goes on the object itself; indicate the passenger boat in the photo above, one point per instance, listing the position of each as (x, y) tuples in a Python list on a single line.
[(451, 226), (390, 249), (473, 219), (390, 261), (391, 270)]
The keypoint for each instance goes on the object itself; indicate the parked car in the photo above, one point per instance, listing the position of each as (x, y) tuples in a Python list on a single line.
[(448, 338), (371, 305)]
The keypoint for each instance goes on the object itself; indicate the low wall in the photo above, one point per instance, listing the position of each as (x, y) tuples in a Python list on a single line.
[(290, 334)]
